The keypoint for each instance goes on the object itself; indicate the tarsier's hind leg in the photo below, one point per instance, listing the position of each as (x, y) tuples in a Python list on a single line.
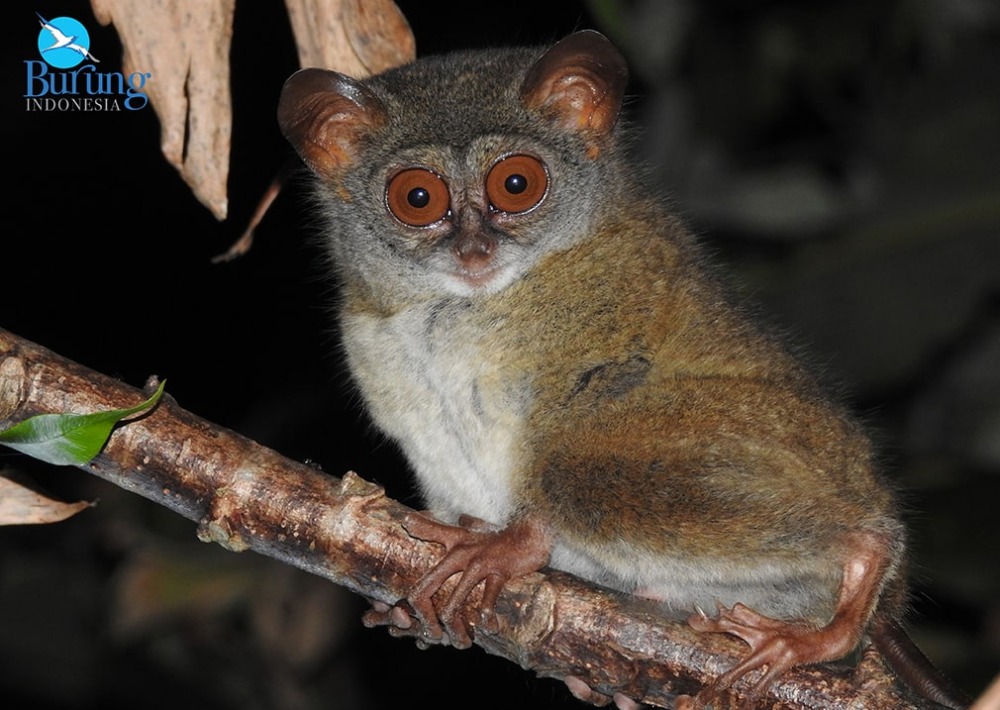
[(778, 645)]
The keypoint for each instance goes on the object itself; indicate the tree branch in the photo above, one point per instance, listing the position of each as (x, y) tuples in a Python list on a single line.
[(245, 496)]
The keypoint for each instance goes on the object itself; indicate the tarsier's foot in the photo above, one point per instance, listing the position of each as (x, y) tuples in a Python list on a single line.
[(476, 552), (774, 644)]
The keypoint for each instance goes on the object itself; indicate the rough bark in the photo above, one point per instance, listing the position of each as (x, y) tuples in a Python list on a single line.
[(245, 496)]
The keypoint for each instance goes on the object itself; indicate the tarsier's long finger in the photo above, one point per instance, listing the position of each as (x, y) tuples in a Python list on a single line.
[(424, 528)]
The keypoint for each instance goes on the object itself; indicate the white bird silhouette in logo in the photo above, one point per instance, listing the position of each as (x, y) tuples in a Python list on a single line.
[(64, 42)]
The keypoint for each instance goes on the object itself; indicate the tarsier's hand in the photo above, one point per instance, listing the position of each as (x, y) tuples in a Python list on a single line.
[(478, 553)]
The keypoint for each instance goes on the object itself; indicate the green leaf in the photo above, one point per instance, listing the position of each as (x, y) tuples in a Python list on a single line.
[(69, 439)]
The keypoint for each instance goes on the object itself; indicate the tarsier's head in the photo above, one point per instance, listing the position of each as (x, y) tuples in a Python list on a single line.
[(455, 174)]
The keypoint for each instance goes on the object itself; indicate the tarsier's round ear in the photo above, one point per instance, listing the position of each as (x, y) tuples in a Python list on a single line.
[(323, 114), (579, 83)]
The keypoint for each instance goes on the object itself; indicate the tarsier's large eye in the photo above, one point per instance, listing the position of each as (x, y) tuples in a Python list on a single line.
[(517, 183), (417, 197)]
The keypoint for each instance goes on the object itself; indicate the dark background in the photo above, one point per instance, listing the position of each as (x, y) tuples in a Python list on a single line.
[(841, 158)]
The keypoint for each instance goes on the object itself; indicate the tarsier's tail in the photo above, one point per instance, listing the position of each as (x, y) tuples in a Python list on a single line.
[(912, 666)]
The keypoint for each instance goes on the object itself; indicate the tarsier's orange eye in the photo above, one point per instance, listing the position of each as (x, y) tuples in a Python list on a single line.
[(417, 197), (517, 183)]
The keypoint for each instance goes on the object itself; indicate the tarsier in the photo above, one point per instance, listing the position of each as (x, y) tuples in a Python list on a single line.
[(565, 375)]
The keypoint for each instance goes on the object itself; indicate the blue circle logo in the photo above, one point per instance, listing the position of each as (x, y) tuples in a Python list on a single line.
[(63, 42)]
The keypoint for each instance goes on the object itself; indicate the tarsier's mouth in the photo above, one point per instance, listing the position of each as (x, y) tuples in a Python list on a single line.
[(479, 277), (486, 279)]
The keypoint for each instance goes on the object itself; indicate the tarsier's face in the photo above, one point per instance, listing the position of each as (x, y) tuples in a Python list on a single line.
[(464, 212), (456, 175)]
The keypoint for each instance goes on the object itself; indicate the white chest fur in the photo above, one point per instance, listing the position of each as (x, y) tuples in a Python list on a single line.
[(445, 401)]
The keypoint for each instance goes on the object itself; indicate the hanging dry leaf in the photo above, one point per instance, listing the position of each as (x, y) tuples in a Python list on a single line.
[(22, 506), (355, 37), (184, 44), (242, 245)]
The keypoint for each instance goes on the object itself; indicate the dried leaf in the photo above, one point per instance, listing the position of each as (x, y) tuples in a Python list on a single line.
[(242, 245), (184, 44), (22, 506), (355, 37)]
